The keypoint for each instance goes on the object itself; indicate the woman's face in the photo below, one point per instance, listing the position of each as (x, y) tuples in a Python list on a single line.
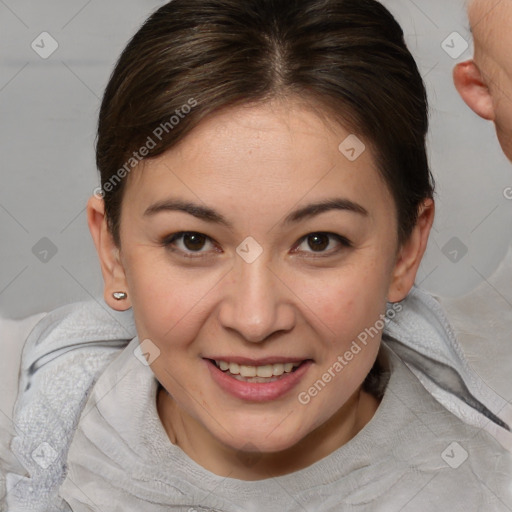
[(257, 242)]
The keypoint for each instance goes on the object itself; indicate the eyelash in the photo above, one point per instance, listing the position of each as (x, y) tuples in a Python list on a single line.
[(168, 242)]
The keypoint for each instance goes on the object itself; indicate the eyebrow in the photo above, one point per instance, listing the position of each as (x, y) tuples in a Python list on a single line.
[(208, 214)]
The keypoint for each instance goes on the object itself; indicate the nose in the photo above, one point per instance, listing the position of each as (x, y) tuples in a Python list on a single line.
[(257, 303)]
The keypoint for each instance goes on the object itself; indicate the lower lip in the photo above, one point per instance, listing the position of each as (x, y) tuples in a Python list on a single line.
[(258, 391)]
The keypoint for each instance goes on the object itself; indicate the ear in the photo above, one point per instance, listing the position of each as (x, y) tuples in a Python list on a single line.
[(471, 85), (410, 253), (111, 267)]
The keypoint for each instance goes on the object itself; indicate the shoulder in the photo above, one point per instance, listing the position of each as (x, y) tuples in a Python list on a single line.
[(453, 462), (62, 358), (421, 334)]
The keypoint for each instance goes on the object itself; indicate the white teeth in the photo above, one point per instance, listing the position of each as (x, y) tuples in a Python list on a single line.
[(288, 367), (247, 371), (233, 368), (265, 371), (278, 369)]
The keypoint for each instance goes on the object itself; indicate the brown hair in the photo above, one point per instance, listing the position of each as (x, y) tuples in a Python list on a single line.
[(194, 57)]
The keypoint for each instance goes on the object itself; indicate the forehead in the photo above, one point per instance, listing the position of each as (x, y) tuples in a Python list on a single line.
[(273, 153), (281, 134)]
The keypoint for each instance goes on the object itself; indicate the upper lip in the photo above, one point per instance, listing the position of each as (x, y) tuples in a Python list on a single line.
[(249, 361)]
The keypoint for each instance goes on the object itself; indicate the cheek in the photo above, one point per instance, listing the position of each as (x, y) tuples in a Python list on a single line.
[(501, 88), (166, 301), (348, 309), (344, 302), (504, 110)]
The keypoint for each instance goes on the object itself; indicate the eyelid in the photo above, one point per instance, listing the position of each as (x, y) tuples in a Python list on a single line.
[(168, 241), (342, 240)]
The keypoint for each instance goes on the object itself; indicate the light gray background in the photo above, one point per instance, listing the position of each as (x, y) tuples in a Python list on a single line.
[(48, 112)]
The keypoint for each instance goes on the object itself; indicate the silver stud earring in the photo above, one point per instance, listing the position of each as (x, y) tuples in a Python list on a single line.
[(119, 295)]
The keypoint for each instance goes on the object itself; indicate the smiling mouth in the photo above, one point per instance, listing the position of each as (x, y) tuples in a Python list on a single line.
[(257, 374)]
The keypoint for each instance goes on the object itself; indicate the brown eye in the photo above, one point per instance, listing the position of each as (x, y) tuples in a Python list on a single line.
[(318, 241), (322, 244), (190, 244), (194, 241)]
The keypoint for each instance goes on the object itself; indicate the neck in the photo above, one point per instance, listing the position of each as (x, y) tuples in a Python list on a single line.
[(199, 444)]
